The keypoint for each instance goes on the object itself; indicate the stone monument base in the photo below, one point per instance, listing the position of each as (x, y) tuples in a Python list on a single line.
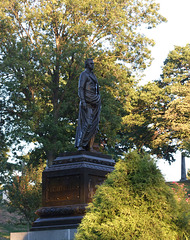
[(64, 234), (67, 188)]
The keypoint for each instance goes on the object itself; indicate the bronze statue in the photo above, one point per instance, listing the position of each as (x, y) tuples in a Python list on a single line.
[(89, 108)]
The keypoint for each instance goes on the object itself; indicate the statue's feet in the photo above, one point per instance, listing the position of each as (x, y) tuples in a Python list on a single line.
[(81, 149), (92, 149)]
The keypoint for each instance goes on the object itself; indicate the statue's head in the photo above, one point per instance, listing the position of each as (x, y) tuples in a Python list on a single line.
[(89, 63)]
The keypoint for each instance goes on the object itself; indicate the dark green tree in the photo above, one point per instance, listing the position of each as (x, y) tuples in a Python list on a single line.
[(43, 48), (135, 203)]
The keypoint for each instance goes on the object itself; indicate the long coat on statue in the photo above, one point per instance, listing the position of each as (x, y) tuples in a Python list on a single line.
[(88, 119)]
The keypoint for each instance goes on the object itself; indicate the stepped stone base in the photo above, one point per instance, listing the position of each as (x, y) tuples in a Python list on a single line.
[(67, 188), (65, 234)]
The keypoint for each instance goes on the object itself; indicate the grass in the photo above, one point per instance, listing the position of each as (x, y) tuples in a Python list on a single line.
[(7, 228)]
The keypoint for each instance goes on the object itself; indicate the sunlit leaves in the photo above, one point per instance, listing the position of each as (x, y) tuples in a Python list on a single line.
[(134, 203), (44, 45)]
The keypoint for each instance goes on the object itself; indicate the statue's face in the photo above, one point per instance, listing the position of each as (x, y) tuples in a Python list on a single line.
[(91, 64)]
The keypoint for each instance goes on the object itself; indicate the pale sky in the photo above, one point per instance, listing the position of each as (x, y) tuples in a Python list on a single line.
[(167, 35)]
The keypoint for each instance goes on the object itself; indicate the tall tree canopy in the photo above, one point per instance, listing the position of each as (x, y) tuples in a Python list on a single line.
[(174, 119), (43, 48), (176, 90), (159, 119), (5, 167)]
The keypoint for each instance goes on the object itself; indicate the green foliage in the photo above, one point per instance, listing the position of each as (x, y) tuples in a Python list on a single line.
[(158, 116), (43, 48), (6, 168), (134, 203), (3, 157), (140, 125), (188, 174), (24, 192), (174, 120)]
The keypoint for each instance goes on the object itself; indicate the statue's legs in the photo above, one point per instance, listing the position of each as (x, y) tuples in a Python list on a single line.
[(91, 143), (83, 140), (81, 146)]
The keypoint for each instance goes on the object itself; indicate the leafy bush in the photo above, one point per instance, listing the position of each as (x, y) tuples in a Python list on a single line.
[(134, 203)]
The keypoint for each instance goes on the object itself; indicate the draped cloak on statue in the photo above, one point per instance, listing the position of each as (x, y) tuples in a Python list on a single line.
[(88, 119)]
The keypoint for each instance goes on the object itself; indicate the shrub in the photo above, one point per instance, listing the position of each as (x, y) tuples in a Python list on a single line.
[(134, 203)]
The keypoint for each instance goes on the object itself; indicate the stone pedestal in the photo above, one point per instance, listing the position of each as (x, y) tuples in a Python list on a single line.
[(68, 186), (64, 234)]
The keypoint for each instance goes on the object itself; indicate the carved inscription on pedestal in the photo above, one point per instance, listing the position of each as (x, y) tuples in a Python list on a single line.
[(63, 189), (93, 182)]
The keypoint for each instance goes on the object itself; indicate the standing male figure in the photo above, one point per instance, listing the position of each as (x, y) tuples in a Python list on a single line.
[(89, 108)]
